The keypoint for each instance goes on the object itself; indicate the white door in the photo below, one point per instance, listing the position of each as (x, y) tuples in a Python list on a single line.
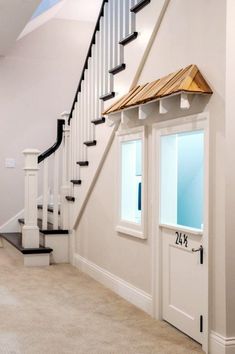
[(182, 226)]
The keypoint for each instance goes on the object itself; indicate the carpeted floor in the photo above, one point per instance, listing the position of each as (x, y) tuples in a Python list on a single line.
[(58, 310)]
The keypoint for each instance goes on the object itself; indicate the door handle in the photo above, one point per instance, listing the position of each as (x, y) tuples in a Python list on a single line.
[(200, 249)]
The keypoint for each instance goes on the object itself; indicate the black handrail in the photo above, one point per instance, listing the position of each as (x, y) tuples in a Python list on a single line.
[(97, 27), (53, 148)]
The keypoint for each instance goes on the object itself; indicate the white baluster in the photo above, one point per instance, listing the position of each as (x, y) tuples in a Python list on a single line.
[(78, 135), (106, 49), (131, 17), (71, 147), (45, 199), (126, 18), (86, 98), (97, 77), (82, 147), (101, 64), (110, 33), (65, 188), (93, 90), (120, 17), (75, 141), (30, 231), (114, 22), (56, 191)]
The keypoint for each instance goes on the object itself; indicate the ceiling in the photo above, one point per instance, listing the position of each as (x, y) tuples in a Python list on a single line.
[(66, 10), (75, 10), (14, 15)]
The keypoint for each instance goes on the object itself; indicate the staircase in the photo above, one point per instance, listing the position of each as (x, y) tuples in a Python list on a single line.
[(69, 168)]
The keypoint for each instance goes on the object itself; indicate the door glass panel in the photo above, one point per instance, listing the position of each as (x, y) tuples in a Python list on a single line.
[(131, 184), (182, 179)]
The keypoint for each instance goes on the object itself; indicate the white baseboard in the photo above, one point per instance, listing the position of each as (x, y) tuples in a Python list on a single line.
[(220, 344), (136, 296)]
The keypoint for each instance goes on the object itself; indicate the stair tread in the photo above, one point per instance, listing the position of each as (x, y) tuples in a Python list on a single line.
[(107, 96), (70, 198), (129, 38), (141, 4), (83, 163), (76, 181), (15, 239), (49, 229), (50, 208), (117, 69), (98, 121), (90, 143)]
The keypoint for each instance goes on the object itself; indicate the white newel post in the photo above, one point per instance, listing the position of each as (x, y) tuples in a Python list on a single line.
[(30, 232), (65, 188)]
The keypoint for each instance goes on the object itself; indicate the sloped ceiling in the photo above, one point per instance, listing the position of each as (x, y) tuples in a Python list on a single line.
[(14, 15), (76, 10)]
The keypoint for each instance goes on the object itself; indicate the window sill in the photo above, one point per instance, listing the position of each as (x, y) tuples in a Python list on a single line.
[(130, 232), (185, 229)]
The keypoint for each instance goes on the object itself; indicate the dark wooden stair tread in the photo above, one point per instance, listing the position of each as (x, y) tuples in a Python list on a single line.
[(49, 230), (15, 239), (107, 96), (141, 4), (117, 69), (129, 38), (83, 163), (76, 181), (90, 143), (69, 198), (98, 121), (50, 208)]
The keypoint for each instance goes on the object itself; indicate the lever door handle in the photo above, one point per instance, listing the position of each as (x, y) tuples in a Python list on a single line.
[(200, 249)]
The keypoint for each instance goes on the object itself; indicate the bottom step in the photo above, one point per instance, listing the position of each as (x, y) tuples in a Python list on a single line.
[(31, 256)]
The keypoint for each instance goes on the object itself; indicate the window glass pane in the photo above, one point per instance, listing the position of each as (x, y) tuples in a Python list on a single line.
[(131, 184), (44, 6), (182, 172)]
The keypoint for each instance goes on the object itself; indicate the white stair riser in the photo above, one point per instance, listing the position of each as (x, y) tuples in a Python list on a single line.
[(28, 260), (60, 246)]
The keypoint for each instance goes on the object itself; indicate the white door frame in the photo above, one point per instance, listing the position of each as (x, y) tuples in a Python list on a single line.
[(202, 121)]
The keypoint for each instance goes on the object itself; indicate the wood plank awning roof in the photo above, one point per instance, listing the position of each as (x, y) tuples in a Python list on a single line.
[(188, 80)]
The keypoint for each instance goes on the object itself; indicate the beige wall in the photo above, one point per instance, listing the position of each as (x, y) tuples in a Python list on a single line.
[(192, 32), (230, 170), (186, 37), (38, 80)]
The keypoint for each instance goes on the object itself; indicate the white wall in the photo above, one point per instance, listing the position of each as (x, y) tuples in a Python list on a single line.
[(188, 37), (38, 80), (230, 169), (192, 32)]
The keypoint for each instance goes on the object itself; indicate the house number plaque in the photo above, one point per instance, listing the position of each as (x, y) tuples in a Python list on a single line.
[(181, 239)]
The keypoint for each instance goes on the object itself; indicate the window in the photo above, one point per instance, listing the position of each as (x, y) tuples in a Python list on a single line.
[(44, 6), (131, 183), (182, 179)]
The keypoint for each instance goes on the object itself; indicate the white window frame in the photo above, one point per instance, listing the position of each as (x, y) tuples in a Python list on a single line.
[(124, 226)]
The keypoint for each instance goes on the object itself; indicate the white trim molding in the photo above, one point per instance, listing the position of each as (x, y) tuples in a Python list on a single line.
[(129, 292), (127, 226), (220, 344)]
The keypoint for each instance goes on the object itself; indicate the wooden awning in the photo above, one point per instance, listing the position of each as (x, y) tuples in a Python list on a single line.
[(188, 80)]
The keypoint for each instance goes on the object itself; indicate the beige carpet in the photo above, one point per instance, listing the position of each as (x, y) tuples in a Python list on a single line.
[(58, 310)]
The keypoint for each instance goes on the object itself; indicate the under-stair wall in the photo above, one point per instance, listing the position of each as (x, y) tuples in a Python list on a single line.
[(124, 263)]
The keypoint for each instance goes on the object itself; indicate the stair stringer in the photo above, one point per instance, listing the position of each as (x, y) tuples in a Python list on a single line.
[(148, 22)]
